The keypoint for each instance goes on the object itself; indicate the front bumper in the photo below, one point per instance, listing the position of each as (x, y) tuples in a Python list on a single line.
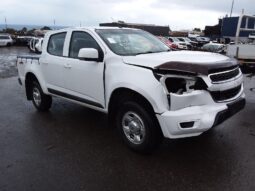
[(194, 120)]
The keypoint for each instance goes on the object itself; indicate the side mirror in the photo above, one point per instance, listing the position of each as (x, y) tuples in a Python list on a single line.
[(88, 54)]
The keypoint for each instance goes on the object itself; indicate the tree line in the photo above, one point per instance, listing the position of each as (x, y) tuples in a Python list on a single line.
[(23, 32)]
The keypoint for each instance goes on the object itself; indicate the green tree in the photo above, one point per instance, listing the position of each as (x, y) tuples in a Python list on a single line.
[(197, 29), (24, 29), (9, 31), (46, 28)]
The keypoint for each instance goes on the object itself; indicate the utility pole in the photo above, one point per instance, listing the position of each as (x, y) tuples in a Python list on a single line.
[(232, 6), (5, 23), (54, 23)]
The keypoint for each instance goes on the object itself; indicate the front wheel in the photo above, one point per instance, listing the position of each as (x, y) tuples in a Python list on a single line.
[(41, 101), (138, 128)]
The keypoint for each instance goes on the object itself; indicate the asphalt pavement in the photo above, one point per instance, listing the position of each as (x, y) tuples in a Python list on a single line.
[(72, 148)]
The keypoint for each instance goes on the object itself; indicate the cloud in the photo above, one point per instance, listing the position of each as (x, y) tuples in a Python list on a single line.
[(184, 14)]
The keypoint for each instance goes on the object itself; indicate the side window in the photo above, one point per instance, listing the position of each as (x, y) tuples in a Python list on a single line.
[(81, 40), (56, 44)]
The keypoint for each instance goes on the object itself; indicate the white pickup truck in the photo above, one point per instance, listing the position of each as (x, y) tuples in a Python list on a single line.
[(148, 91)]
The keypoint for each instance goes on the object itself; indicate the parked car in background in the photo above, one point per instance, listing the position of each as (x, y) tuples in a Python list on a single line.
[(167, 42), (38, 46), (202, 40), (190, 42), (189, 45), (35, 45), (180, 45), (23, 40), (214, 47), (6, 40)]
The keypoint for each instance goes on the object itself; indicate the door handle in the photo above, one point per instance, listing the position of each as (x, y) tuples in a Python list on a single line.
[(68, 66)]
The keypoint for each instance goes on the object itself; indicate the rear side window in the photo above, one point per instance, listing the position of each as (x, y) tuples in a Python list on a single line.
[(56, 44), (4, 37), (81, 40)]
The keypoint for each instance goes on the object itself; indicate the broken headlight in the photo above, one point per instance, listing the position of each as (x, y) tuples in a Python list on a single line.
[(182, 84)]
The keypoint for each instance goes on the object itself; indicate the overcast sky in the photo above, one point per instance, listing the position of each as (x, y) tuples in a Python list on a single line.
[(178, 14)]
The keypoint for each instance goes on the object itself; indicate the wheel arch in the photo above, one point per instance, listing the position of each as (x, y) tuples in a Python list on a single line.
[(30, 77), (120, 95)]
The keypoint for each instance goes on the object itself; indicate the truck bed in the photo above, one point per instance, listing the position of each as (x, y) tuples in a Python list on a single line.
[(242, 51), (22, 60), (26, 57)]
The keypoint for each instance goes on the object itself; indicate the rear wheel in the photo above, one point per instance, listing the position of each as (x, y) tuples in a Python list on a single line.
[(138, 127), (41, 101)]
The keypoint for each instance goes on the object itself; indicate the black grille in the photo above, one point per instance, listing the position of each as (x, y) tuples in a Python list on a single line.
[(225, 95), (225, 76)]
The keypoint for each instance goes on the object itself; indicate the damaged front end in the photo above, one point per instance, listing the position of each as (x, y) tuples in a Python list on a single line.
[(199, 101), (183, 89), (199, 85)]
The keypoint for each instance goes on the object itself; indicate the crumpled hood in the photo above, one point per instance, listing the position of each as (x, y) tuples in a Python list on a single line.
[(186, 61)]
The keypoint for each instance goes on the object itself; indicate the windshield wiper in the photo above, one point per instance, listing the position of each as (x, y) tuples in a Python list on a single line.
[(150, 52)]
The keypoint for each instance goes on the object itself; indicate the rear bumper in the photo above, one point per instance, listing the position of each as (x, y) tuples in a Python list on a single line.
[(193, 121)]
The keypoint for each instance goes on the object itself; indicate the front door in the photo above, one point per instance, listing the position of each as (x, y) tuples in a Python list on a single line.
[(84, 79)]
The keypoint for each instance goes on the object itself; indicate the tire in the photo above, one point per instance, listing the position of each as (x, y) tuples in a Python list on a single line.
[(8, 45), (41, 101), (138, 127)]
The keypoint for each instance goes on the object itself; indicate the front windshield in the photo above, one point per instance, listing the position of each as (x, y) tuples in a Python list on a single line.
[(128, 42)]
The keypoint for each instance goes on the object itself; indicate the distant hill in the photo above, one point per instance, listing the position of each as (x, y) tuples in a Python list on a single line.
[(29, 27)]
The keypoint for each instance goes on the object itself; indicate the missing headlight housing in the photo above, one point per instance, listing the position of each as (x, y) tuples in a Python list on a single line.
[(180, 84), (176, 85)]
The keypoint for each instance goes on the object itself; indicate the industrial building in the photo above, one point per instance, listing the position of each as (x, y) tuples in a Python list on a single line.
[(227, 28)]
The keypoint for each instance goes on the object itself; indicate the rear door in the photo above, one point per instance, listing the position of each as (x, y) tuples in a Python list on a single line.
[(53, 62)]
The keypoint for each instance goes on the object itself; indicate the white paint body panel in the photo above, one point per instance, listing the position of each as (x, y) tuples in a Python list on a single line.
[(96, 81), (155, 59)]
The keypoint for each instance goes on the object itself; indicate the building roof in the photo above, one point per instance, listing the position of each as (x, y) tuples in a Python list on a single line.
[(154, 29)]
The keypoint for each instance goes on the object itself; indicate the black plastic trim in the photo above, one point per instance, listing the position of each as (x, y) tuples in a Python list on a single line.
[(62, 94), (232, 109), (186, 125), (19, 80)]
